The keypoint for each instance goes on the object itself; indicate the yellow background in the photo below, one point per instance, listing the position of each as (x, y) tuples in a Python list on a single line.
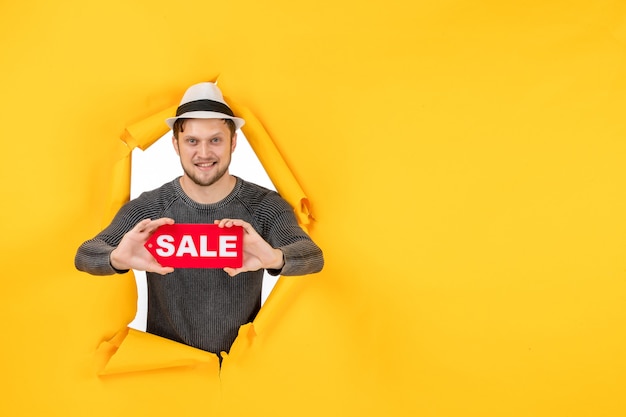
[(464, 162)]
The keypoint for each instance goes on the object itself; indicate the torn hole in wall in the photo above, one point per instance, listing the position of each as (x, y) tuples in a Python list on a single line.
[(159, 164)]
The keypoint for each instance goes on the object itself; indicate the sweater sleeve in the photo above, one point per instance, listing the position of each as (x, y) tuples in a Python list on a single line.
[(93, 256), (302, 255), (301, 258)]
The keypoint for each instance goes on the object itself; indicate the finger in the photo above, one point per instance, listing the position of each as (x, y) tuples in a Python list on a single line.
[(161, 270), (232, 271), (140, 227), (220, 223), (238, 222), (226, 222), (153, 225), (160, 222), (165, 271)]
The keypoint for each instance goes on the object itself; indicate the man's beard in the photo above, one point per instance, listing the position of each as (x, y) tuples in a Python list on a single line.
[(205, 182)]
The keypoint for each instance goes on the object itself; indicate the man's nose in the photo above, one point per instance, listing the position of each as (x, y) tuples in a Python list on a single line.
[(204, 149)]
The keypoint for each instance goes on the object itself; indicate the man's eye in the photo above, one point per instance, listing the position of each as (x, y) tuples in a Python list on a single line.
[(191, 141)]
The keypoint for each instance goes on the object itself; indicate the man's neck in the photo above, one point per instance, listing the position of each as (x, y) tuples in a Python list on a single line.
[(208, 194)]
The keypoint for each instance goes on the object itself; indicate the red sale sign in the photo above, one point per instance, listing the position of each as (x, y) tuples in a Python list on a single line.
[(197, 246)]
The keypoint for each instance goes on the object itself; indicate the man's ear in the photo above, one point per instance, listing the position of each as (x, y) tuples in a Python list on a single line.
[(175, 144), (233, 142)]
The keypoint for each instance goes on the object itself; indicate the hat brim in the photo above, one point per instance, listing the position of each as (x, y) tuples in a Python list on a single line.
[(204, 115)]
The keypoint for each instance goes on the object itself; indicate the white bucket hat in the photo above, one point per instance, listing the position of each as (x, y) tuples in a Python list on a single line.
[(204, 101)]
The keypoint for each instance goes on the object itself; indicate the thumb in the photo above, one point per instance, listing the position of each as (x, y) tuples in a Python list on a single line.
[(232, 271)]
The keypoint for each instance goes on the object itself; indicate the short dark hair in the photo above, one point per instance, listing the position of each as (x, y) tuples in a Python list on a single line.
[(179, 126)]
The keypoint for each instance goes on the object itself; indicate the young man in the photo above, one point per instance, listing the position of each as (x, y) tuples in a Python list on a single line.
[(204, 308)]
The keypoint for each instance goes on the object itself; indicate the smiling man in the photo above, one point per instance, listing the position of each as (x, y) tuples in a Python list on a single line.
[(204, 308)]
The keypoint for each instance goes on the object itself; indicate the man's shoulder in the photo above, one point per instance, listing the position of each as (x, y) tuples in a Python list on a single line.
[(163, 194), (257, 194), (252, 189)]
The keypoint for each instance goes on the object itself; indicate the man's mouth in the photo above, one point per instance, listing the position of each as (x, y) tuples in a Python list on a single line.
[(205, 164)]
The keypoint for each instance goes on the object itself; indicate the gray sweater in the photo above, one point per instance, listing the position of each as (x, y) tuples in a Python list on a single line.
[(204, 308)]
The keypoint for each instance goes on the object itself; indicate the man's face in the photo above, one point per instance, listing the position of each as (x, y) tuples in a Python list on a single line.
[(205, 147)]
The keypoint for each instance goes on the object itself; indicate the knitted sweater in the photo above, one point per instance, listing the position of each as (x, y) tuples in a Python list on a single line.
[(204, 308)]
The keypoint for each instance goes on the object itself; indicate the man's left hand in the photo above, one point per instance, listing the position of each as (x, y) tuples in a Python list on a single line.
[(257, 253)]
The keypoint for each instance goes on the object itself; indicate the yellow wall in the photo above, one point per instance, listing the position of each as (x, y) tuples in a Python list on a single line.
[(464, 162)]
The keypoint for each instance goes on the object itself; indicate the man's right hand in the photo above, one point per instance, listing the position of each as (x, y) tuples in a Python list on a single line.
[(131, 253)]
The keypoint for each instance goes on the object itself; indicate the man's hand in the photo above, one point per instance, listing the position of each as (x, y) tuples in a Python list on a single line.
[(257, 253), (131, 253)]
